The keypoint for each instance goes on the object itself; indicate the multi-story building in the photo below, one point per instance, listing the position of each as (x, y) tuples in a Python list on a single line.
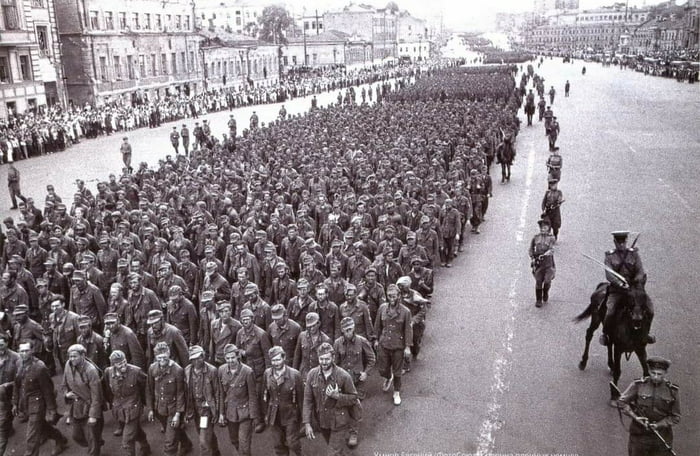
[(128, 51), (231, 60), (238, 17), (378, 26), (600, 29), (30, 56)]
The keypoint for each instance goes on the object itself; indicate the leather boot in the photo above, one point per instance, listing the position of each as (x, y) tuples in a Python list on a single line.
[(538, 295), (545, 293)]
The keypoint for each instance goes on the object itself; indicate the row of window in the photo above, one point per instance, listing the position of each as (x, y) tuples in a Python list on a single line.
[(612, 17), (144, 65), (577, 31), (25, 68), (139, 21), (236, 67)]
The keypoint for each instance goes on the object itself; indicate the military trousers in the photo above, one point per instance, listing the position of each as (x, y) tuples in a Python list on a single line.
[(285, 438), (175, 437), (132, 433), (647, 445), (241, 436), (87, 435), (335, 438), (208, 443), (38, 431), (5, 425), (390, 361)]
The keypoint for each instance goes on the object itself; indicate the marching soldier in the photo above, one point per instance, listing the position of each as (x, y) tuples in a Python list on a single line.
[(202, 404), (305, 353), (125, 389), (627, 263), (553, 134), (120, 337), (83, 392), (87, 299), (10, 364), (238, 400), (64, 330), (354, 353), (32, 397), (283, 396), (330, 397), (223, 332), (654, 404), (554, 163), (185, 134), (551, 206), (542, 262), (125, 149), (418, 305), (160, 331), (394, 340), (165, 399), (94, 343), (284, 331), (175, 140), (254, 343)]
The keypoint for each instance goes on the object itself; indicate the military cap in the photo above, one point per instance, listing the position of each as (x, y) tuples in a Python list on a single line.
[(261, 233), (211, 265), (392, 287), (275, 351), (371, 270), (88, 256), (277, 311), (231, 348), (207, 295), (164, 265), (280, 266), (111, 317), (306, 259), (174, 290), (20, 309), (311, 319), (310, 242), (269, 247), (247, 313), (620, 235), (657, 362), (117, 356), (416, 259), (208, 249), (324, 349), (40, 281), (33, 237), (544, 222), (81, 240), (161, 348), (552, 180), (196, 352), (405, 281), (122, 262), (302, 283), (223, 304), (350, 286), (84, 320), (424, 219), (154, 316), (250, 288), (79, 348), (347, 323), (79, 275)]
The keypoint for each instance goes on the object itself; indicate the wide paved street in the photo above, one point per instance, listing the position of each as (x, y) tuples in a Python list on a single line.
[(498, 375)]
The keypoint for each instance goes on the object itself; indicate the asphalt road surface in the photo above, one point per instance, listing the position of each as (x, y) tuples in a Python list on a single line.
[(498, 375)]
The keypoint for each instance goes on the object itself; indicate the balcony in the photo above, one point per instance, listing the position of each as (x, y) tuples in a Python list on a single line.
[(16, 38)]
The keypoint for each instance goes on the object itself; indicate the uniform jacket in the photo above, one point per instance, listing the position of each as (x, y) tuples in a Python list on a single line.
[(88, 302), (256, 344), (33, 391), (284, 397), (220, 335), (238, 400), (393, 327), (661, 404), (125, 392), (360, 314), (355, 355), (330, 413), (286, 337), (165, 393), (85, 382), (125, 340), (173, 337), (209, 395), (306, 351)]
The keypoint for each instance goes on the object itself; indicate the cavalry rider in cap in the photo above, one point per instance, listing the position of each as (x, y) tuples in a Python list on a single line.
[(542, 261), (654, 404), (628, 264)]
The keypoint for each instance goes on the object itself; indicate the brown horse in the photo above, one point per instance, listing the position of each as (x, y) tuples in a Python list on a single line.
[(629, 334)]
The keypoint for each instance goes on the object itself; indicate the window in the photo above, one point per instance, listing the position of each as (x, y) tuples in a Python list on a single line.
[(103, 68), (154, 69), (147, 21), (38, 4), (117, 67), (25, 67), (142, 65), (238, 20), (109, 20), (168, 21), (187, 22), (159, 23), (9, 12), (42, 40), (4, 70), (192, 65), (306, 25), (173, 61), (164, 63), (178, 22), (135, 21), (183, 63), (130, 66), (94, 21), (218, 69), (122, 21)]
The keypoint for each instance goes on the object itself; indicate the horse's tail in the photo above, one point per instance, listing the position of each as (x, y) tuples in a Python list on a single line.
[(592, 307), (586, 313)]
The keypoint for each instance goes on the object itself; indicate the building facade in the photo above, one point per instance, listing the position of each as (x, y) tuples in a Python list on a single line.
[(128, 51), (232, 16), (377, 26), (234, 61), (31, 75)]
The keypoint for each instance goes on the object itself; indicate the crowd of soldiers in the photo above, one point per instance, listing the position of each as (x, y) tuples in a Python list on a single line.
[(250, 288), (54, 129)]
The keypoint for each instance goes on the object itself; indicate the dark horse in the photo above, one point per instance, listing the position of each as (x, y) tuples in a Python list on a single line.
[(629, 333), (505, 155)]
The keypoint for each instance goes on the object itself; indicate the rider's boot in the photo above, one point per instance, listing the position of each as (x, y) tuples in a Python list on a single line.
[(545, 293), (604, 338), (538, 296)]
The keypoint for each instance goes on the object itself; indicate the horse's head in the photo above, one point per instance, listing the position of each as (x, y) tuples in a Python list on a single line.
[(636, 308)]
